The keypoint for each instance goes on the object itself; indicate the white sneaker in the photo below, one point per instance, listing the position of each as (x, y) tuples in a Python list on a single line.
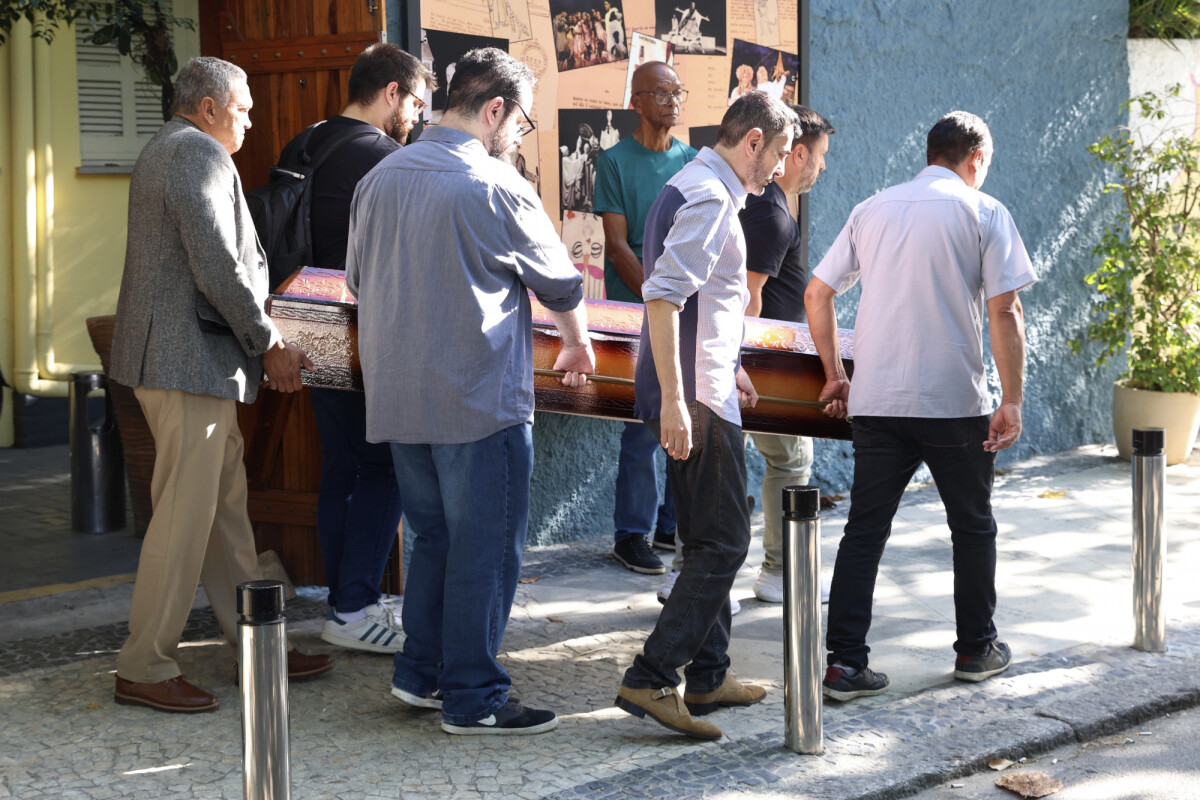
[(665, 591), (378, 632), (769, 588)]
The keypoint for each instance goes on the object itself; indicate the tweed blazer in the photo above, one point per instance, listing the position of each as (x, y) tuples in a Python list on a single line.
[(191, 314)]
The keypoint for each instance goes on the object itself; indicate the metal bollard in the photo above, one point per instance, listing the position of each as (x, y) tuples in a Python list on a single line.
[(262, 672), (802, 672), (1149, 484), (97, 461)]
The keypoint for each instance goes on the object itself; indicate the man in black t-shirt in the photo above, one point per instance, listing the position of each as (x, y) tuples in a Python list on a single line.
[(777, 277), (358, 507)]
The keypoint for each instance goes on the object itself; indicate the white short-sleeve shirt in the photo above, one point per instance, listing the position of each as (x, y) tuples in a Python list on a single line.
[(930, 253)]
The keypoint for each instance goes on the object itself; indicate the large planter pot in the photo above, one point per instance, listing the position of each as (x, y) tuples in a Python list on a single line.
[(1177, 413)]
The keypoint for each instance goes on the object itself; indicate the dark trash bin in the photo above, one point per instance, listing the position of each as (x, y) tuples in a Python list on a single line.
[(97, 461)]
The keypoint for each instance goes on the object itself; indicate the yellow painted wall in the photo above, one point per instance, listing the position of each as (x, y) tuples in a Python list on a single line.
[(81, 218)]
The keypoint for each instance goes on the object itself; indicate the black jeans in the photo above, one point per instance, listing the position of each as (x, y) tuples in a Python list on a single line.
[(714, 525), (887, 451)]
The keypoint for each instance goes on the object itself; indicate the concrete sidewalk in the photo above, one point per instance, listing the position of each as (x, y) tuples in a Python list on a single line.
[(1065, 607)]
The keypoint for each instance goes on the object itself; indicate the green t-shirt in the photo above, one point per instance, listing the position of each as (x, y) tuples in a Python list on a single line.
[(629, 178)]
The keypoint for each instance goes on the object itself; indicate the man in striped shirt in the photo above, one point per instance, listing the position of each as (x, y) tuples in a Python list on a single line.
[(690, 389)]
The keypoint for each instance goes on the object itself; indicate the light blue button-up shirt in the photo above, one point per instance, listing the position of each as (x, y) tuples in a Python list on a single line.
[(444, 241)]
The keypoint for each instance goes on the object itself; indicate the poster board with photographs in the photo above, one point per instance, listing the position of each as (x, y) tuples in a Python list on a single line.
[(583, 53)]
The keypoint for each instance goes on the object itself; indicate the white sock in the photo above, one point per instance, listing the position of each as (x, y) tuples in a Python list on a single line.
[(352, 616)]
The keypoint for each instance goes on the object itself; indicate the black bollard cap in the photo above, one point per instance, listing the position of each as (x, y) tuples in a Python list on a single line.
[(260, 602), (801, 502), (1148, 441)]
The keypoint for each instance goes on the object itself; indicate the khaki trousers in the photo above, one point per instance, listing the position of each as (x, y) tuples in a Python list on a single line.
[(789, 463), (199, 529)]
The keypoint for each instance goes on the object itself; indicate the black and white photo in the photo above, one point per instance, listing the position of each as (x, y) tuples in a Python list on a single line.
[(588, 32), (582, 135), (643, 48), (695, 27), (756, 66), (441, 50)]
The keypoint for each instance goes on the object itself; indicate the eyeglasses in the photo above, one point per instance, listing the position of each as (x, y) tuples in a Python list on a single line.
[(528, 127), (664, 98), (418, 102)]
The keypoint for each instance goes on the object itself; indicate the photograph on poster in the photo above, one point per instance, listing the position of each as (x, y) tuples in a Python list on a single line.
[(510, 19), (582, 135), (703, 136), (583, 234), (693, 26), (441, 49), (766, 21), (643, 48), (755, 66), (588, 32), (525, 160)]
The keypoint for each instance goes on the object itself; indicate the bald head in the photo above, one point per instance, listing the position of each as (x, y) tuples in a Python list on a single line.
[(649, 74)]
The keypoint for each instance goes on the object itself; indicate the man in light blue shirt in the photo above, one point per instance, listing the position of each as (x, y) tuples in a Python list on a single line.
[(445, 241), (690, 389), (629, 177)]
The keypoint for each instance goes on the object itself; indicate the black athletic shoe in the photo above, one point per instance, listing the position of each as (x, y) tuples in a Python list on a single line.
[(664, 540), (635, 554), (979, 668), (511, 719), (866, 683)]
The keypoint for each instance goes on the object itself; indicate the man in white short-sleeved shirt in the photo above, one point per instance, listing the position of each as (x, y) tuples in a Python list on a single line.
[(931, 254)]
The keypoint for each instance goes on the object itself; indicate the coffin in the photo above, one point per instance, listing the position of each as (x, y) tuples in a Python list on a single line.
[(314, 310)]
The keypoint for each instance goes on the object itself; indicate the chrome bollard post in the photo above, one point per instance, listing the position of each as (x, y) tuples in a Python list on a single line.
[(262, 672), (802, 660), (1149, 484)]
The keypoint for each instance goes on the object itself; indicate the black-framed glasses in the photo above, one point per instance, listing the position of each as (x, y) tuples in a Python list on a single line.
[(528, 127), (664, 98)]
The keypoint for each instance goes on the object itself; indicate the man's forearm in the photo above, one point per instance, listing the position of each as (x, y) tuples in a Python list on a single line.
[(663, 318), (629, 268), (822, 325), (572, 325), (1006, 331)]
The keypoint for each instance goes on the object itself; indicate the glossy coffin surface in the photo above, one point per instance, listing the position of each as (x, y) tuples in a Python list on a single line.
[(314, 309)]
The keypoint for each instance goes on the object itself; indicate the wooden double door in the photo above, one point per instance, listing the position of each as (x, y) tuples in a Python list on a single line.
[(297, 55)]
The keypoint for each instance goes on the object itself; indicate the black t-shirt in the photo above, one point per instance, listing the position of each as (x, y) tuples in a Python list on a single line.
[(333, 184), (773, 247)]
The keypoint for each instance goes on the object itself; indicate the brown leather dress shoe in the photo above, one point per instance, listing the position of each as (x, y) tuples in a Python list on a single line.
[(302, 666), (728, 695), (175, 695)]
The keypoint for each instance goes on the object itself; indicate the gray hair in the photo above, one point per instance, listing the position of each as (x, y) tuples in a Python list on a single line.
[(755, 109), (205, 76)]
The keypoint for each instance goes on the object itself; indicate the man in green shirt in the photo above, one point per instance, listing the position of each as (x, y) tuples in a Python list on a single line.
[(629, 177)]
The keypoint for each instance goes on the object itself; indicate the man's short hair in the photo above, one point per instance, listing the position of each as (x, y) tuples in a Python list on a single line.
[(755, 109), (956, 136), (205, 76), (810, 127), (483, 74), (381, 64)]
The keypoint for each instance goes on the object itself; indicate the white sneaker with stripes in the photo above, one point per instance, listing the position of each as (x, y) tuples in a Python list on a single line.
[(378, 632)]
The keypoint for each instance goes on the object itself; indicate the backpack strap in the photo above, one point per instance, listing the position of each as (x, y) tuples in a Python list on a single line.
[(332, 145)]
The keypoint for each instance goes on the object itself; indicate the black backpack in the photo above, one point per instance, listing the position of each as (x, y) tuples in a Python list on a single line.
[(281, 210)]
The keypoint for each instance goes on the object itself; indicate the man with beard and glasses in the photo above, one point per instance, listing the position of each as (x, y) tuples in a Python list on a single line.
[(690, 389), (358, 506), (446, 240)]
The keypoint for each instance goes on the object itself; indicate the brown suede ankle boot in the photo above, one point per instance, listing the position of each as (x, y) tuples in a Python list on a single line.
[(665, 706)]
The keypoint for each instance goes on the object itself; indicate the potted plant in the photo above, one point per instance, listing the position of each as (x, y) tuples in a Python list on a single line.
[(1148, 280)]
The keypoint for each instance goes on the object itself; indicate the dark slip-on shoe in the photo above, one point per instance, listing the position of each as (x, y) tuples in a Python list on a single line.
[(176, 695)]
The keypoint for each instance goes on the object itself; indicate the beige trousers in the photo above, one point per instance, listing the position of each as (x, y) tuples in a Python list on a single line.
[(199, 529), (789, 463)]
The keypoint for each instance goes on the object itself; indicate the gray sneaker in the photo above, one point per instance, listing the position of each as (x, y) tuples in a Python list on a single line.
[(980, 668), (865, 683), (511, 719)]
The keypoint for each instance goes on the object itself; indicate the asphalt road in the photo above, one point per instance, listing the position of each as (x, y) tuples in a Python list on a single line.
[(1156, 761)]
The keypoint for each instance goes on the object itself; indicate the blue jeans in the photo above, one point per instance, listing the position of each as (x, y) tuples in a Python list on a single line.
[(887, 451), (358, 507), (637, 485), (714, 526), (468, 507)]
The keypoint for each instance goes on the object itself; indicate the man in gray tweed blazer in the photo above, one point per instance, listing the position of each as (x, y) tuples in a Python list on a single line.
[(193, 338)]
